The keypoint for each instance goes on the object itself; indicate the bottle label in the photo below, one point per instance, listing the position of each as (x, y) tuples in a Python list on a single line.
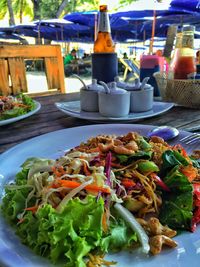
[(188, 41), (104, 25)]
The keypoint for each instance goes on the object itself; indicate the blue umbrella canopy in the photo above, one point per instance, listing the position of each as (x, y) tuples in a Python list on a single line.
[(62, 23), (82, 18), (7, 35), (53, 29), (128, 24), (61, 30), (186, 5)]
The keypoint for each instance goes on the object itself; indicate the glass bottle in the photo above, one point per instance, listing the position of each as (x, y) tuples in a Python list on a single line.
[(104, 42), (185, 61), (175, 53)]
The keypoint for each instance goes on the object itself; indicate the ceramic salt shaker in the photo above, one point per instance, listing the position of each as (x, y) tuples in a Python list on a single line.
[(113, 101)]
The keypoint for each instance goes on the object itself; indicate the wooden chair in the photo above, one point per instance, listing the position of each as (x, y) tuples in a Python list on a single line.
[(13, 70), (130, 66)]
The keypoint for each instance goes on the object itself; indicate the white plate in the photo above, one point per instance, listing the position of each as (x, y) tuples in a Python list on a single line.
[(28, 114), (14, 254), (73, 109)]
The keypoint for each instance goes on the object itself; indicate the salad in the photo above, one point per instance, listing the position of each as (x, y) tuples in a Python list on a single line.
[(14, 106), (110, 193)]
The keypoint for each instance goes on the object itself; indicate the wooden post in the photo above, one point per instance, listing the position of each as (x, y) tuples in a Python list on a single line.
[(95, 26), (152, 33)]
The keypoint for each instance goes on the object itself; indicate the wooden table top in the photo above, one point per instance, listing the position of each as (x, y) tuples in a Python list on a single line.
[(49, 119)]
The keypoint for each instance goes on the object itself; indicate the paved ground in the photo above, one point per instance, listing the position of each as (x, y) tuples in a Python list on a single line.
[(37, 82)]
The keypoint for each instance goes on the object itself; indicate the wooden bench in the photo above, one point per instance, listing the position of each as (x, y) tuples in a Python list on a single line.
[(13, 70)]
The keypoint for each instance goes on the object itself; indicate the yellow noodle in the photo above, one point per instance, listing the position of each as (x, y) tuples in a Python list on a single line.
[(143, 179)]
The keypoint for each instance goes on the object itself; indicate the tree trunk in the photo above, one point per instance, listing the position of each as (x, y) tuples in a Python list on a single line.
[(36, 9), (61, 8), (74, 6), (21, 11), (11, 13), (36, 16)]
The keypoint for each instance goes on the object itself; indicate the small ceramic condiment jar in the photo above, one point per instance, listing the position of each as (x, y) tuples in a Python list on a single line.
[(125, 85), (141, 99), (89, 95), (114, 102)]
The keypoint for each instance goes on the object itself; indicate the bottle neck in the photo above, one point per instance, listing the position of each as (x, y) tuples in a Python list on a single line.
[(188, 40), (104, 24)]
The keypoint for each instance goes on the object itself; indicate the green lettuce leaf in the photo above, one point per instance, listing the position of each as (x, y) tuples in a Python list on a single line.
[(68, 235), (15, 112), (18, 111), (27, 101), (13, 201), (119, 237)]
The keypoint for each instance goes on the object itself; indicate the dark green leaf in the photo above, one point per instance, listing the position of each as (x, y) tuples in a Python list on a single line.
[(177, 181), (195, 162), (177, 206), (175, 214), (171, 159)]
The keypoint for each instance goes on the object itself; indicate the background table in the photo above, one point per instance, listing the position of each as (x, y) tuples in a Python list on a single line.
[(49, 119)]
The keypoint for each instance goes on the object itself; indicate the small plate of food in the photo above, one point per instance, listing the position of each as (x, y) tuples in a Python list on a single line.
[(14, 108)]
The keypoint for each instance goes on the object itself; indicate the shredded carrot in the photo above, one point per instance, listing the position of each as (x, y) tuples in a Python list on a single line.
[(128, 182), (20, 105), (81, 157), (20, 221), (96, 149), (189, 171), (101, 163), (98, 260), (59, 171), (104, 222), (33, 209), (117, 165), (73, 184)]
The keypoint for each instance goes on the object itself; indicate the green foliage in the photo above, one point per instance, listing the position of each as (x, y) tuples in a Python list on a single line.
[(3, 8), (26, 6), (87, 5), (44, 9), (126, 2), (48, 8)]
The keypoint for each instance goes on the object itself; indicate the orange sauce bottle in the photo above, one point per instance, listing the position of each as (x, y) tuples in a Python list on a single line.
[(104, 42)]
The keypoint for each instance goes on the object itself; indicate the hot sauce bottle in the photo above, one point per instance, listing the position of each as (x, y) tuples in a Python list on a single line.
[(184, 63)]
